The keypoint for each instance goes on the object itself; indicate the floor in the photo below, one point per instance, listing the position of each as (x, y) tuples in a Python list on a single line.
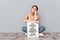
[(21, 36)]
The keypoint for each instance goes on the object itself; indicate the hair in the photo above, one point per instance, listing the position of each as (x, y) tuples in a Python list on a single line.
[(35, 6)]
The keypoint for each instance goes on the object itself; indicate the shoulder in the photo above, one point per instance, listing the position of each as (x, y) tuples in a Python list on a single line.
[(27, 15)]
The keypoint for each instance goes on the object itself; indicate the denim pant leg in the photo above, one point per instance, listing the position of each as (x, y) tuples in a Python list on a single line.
[(41, 29), (24, 29)]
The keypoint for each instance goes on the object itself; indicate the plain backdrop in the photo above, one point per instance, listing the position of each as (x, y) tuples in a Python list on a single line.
[(12, 13)]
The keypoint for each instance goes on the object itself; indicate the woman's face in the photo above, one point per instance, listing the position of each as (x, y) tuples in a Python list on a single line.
[(34, 9)]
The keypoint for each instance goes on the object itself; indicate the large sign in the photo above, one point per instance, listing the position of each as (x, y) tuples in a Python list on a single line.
[(32, 29)]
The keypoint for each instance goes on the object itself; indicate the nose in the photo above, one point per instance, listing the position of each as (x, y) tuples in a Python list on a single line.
[(32, 9)]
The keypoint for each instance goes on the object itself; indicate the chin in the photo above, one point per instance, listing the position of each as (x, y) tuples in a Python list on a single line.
[(33, 12)]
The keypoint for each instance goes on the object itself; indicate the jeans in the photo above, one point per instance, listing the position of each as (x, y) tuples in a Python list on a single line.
[(41, 29)]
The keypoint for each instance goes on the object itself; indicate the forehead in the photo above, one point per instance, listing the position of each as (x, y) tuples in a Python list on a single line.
[(34, 7)]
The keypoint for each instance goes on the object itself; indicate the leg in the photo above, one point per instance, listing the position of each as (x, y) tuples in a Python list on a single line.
[(24, 29), (41, 29)]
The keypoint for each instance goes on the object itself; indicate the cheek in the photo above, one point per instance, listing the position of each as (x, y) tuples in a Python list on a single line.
[(32, 9)]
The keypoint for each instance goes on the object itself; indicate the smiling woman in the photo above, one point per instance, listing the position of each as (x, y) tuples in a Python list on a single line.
[(33, 17)]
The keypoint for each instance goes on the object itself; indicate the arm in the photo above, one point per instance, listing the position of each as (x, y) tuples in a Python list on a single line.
[(37, 19), (37, 22), (26, 19)]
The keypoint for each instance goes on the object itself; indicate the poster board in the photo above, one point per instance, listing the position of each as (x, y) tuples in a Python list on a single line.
[(32, 29)]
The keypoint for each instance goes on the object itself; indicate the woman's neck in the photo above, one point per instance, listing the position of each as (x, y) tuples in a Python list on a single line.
[(33, 14)]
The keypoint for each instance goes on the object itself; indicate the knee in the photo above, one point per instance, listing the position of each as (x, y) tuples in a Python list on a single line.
[(42, 28), (24, 28)]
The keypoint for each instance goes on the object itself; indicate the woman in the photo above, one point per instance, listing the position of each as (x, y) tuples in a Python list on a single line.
[(33, 17)]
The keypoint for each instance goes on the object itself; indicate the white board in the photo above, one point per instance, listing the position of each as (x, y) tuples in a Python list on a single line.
[(32, 29)]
